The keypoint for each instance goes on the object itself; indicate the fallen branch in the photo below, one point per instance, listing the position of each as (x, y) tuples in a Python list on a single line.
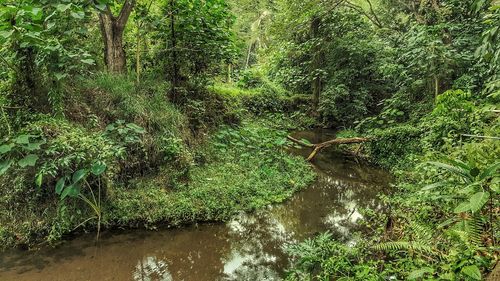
[(319, 146)]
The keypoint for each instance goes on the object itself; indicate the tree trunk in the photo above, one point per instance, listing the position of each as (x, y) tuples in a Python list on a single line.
[(436, 86), (316, 65), (229, 73), (112, 29)]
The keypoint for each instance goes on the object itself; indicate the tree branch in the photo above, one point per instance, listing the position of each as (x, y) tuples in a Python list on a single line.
[(372, 11), (125, 12), (360, 10), (320, 146)]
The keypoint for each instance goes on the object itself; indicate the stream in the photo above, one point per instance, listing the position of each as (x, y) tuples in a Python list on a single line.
[(249, 247)]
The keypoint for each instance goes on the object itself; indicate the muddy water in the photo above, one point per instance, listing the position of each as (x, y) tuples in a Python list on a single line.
[(250, 247)]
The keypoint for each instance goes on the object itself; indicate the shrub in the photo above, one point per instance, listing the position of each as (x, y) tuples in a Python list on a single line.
[(339, 106), (391, 147)]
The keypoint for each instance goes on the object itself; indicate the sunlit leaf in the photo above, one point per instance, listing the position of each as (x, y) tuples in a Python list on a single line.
[(88, 61), (79, 175), (472, 271), (6, 148), (38, 180), (462, 207), (4, 166), (478, 200), (28, 160), (420, 273), (98, 168), (23, 139)]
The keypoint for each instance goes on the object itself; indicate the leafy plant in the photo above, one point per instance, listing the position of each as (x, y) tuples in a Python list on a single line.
[(21, 152), (72, 187)]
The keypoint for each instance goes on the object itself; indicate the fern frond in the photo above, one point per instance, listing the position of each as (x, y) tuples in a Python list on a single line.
[(403, 246), (468, 230), (422, 232)]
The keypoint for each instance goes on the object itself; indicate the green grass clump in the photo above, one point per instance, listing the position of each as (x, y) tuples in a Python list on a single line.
[(229, 90)]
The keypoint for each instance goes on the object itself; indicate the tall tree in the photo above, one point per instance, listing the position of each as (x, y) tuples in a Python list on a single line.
[(112, 29)]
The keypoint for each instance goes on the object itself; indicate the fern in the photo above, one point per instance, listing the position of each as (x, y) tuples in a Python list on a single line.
[(403, 246), (468, 231), (422, 232)]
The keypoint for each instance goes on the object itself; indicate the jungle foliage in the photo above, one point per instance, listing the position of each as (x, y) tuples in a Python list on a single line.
[(138, 112)]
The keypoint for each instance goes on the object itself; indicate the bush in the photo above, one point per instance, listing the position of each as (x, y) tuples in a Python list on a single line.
[(391, 147), (339, 106), (454, 114), (46, 151)]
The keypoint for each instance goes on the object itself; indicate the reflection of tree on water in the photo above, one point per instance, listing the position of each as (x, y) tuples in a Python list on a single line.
[(150, 268), (259, 240)]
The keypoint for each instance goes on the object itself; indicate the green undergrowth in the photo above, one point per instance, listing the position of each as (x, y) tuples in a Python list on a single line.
[(443, 220), (204, 160), (240, 169)]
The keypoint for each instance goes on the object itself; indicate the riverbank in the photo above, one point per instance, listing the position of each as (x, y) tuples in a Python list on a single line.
[(159, 163), (250, 246)]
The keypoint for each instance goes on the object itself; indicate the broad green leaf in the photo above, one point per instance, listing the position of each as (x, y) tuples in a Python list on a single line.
[(420, 272), (60, 185), (33, 145), (28, 160), (71, 191), (4, 166), (434, 185), (88, 61), (478, 200), (65, 192), (463, 207), (495, 184), (6, 148), (79, 175), (74, 190), (60, 76), (78, 15), (101, 6), (472, 271), (23, 139), (38, 180), (6, 34), (490, 171), (62, 7), (98, 168), (454, 169), (136, 128)]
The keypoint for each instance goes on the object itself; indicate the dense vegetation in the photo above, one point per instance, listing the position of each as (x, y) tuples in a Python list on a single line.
[(133, 113)]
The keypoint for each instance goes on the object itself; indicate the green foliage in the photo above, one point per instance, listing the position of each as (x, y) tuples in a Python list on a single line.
[(52, 156), (396, 145), (338, 106), (322, 258), (241, 169)]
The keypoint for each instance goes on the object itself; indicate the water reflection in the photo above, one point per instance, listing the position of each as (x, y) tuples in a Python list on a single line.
[(250, 247)]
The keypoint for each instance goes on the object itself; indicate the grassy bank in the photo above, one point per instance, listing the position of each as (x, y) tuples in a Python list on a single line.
[(154, 162)]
